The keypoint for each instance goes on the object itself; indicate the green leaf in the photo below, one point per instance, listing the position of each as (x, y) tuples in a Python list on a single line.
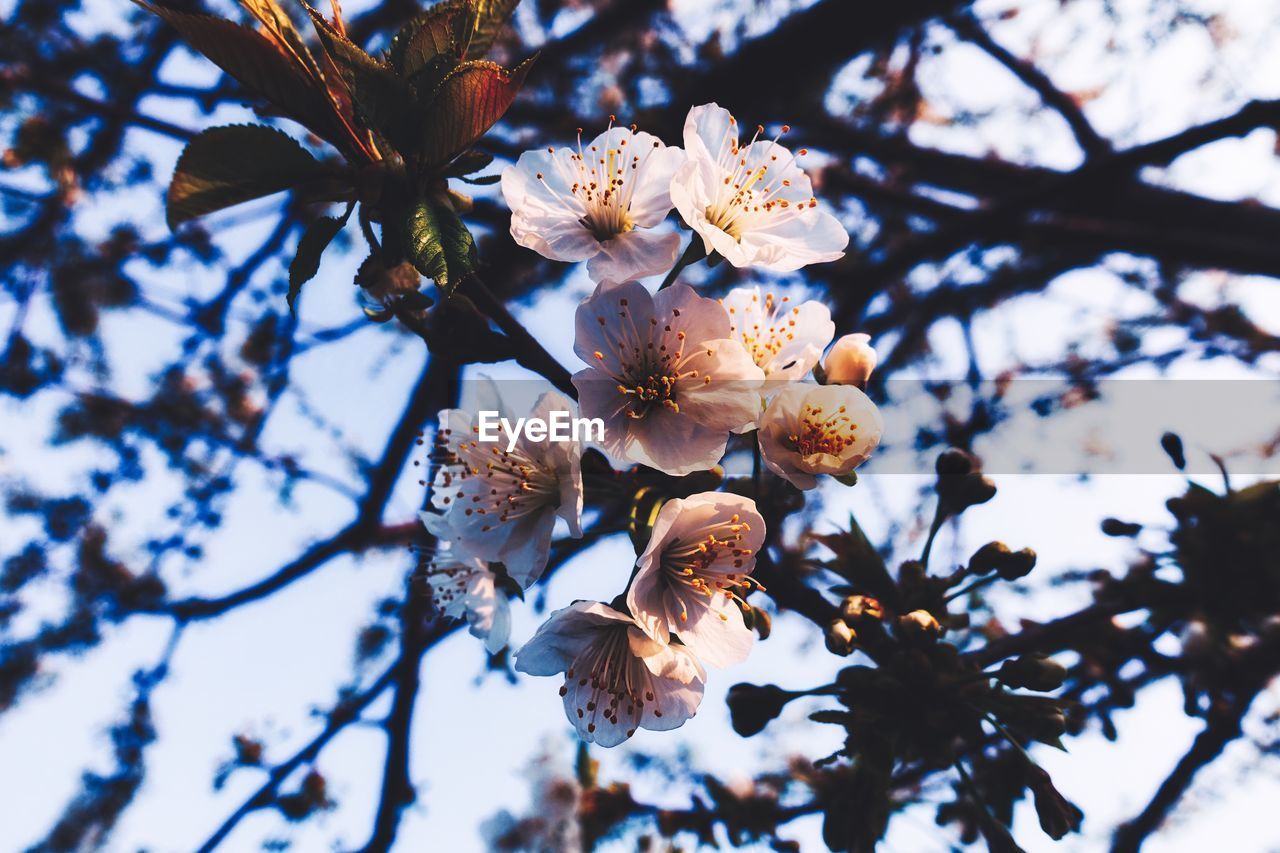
[(466, 163), (306, 261), (483, 180), (260, 66), (850, 479), (225, 166), (490, 16), (438, 242), (468, 102), (380, 98)]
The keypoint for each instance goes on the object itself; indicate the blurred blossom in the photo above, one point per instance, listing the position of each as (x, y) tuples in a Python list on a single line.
[(501, 505), (597, 203), (664, 375), (617, 678), (818, 429), (752, 203), (694, 572)]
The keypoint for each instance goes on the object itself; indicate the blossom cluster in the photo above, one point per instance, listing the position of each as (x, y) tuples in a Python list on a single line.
[(673, 375)]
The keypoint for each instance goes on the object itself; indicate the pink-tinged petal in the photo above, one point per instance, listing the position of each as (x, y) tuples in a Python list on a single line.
[(645, 601), (717, 634), (673, 444), (709, 130), (811, 238), (683, 310), (598, 317), (651, 197), (635, 254), (674, 704), (666, 661), (731, 398), (562, 638), (499, 628)]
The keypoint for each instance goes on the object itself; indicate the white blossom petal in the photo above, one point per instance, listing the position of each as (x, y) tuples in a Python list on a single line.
[(750, 202), (635, 254)]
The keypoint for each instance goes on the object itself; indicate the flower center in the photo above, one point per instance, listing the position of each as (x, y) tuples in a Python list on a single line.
[(507, 484), (751, 191), (818, 434), (689, 563), (766, 331), (652, 360), (601, 183), (620, 684)]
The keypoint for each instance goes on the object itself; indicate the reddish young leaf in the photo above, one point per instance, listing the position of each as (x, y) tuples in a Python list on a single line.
[(467, 103)]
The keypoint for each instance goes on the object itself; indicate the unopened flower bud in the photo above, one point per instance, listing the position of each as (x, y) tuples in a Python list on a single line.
[(763, 622), (1172, 444), (1018, 564), (1046, 727), (1033, 672), (1116, 527), (840, 638), (1197, 640), (988, 558), (1057, 814), (855, 608), (954, 462), (753, 706), (850, 361), (919, 625)]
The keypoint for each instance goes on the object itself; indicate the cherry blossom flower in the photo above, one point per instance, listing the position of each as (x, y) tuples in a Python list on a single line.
[(597, 204), (617, 678), (850, 361), (785, 339), (664, 376), (818, 429), (501, 505), (694, 572), (467, 589), (751, 203)]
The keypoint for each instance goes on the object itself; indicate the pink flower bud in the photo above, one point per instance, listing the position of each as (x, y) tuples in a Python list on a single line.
[(850, 361)]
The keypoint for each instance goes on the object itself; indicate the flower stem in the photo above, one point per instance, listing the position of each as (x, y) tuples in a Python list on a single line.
[(939, 517), (965, 590), (755, 462), (692, 255)]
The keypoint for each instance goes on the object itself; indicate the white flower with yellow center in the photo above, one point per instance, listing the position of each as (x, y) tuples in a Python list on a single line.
[(466, 589), (617, 678), (751, 203), (694, 573), (501, 505), (785, 338), (808, 430), (664, 376), (597, 203)]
